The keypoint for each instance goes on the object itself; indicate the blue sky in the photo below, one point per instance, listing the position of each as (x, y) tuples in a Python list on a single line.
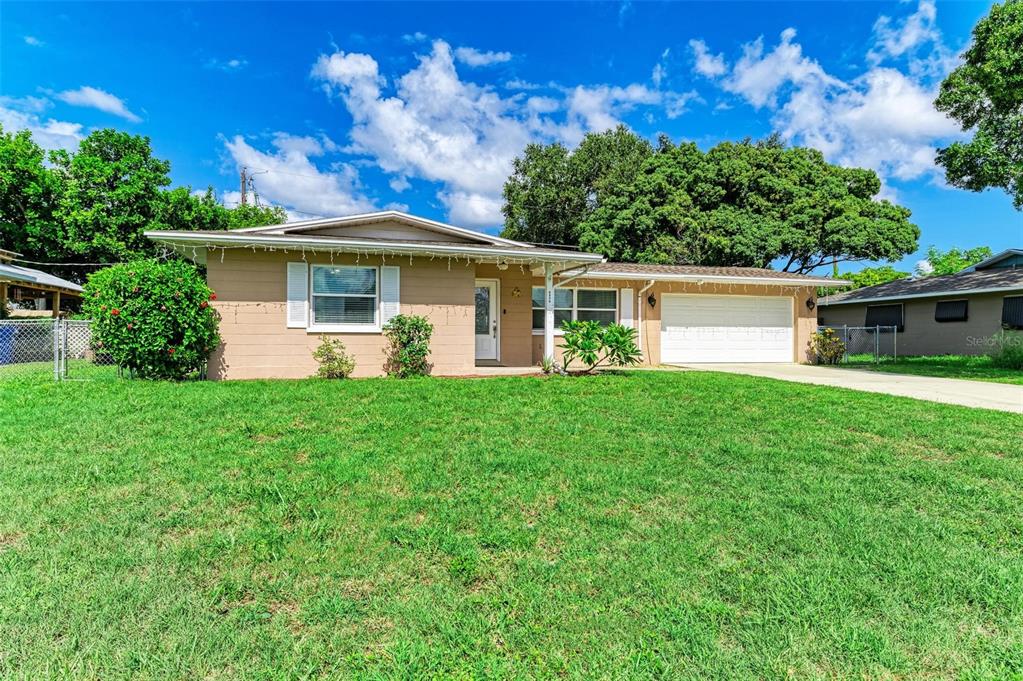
[(344, 107)]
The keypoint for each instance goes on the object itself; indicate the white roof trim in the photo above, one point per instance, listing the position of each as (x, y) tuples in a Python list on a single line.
[(717, 278), (413, 220), (201, 240), (935, 294), (994, 258)]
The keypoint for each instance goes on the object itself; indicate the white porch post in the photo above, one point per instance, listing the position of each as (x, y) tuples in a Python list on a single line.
[(548, 311)]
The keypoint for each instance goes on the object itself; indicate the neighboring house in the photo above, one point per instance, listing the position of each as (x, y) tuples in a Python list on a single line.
[(492, 301), (24, 283), (955, 314)]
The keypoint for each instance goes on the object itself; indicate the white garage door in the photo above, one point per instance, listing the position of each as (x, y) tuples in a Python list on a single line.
[(704, 328)]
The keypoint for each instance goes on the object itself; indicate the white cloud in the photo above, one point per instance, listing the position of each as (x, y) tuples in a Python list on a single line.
[(33, 41), (758, 76), (24, 113), (228, 65), (94, 98), (519, 84), (883, 119), (894, 38), (431, 124), (707, 64), (473, 57), (417, 37), (291, 179)]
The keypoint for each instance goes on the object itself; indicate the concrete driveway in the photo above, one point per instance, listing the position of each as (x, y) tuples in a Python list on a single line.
[(1001, 396)]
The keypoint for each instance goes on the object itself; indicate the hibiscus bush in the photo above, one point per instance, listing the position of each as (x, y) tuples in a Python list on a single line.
[(409, 337), (153, 318)]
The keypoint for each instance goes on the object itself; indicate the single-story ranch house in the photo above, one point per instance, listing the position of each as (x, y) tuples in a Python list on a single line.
[(492, 301), (955, 314)]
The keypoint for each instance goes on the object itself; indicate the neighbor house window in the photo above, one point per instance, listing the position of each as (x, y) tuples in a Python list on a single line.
[(884, 315), (1012, 312), (950, 311), (344, 295), (583, 304)]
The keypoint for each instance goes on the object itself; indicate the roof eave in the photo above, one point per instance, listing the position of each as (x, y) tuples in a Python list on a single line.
[(716, 278), (199, 242), (993, 259), (934, 294)]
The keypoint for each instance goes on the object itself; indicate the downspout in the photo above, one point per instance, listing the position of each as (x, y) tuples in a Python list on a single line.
[(639, 312)]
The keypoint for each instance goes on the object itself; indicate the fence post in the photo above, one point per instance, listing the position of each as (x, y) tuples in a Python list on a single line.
[(877, 344), (56, 351), (895, 343)]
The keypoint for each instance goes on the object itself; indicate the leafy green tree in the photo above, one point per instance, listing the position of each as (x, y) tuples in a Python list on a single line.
[(872, 276), (28, 197), (111, 192), (985, 95), (939, 263), (552, 190), (249, 215), (747, 204)]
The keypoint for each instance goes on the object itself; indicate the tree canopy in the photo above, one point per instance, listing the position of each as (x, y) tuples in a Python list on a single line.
[(93, 204), (743, 204), (939, 263), (872, 276), (985, 95)]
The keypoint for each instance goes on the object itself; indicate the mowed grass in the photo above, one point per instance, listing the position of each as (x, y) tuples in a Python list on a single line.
[(972, 367), (646, 525)]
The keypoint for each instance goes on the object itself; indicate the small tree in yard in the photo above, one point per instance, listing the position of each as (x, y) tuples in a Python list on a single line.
[(333, 360), (595, 345), (409, 336), (153, 318), (827, 347)]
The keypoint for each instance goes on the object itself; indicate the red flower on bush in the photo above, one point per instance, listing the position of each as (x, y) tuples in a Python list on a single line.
[(204, 305), (115, 312), (170, 351), (130, 326), (213, 295)]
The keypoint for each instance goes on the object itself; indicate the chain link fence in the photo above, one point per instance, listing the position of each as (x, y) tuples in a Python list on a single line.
[(51, 349), (867, 343)]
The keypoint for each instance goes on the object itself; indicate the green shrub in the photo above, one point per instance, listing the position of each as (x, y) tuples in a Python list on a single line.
[(595, 345), (333, 360), (409, 336), (152, 318), (826, 347), (1008, 352)]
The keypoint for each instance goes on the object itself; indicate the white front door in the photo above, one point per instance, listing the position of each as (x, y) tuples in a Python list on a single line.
[(486, 319), (708, 328)]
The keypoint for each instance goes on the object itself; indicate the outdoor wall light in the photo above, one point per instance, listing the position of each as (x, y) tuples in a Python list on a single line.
[(810, 304), (652, 300)]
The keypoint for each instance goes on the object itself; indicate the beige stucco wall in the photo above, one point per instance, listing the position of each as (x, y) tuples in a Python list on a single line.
[(650, 325), (923, 335), (251, 300)]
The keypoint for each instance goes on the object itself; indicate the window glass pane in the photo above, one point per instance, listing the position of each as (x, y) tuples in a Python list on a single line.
[(483, 310), (538, 296), (563, 298), (560, 317), (604, 300), (331, 310), (605, 317), (350, 280)]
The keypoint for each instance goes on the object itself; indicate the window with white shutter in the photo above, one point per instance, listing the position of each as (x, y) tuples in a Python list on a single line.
[(390, 293), (298, 295)]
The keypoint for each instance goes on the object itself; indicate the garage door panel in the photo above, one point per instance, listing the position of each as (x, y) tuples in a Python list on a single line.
[(706, 328)]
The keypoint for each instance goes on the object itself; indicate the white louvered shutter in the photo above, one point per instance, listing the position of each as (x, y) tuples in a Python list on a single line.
[(298, 295), (390, 287), (628, 298)]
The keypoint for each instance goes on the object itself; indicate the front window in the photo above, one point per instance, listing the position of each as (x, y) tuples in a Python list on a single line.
[(598, 305), (344, 295)]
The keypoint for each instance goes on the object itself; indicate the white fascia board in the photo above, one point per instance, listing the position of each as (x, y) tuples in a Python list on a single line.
[(717, 278), (200, 241), (936, 294)]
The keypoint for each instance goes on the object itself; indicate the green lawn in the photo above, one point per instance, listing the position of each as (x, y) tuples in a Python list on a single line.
[(647, 525), (973, 367)]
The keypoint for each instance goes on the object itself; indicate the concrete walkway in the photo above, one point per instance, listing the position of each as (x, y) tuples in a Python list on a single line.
[(983, 394)]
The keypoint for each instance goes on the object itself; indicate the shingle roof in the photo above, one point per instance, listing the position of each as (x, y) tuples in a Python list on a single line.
[(959, 283), (654, 271)]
